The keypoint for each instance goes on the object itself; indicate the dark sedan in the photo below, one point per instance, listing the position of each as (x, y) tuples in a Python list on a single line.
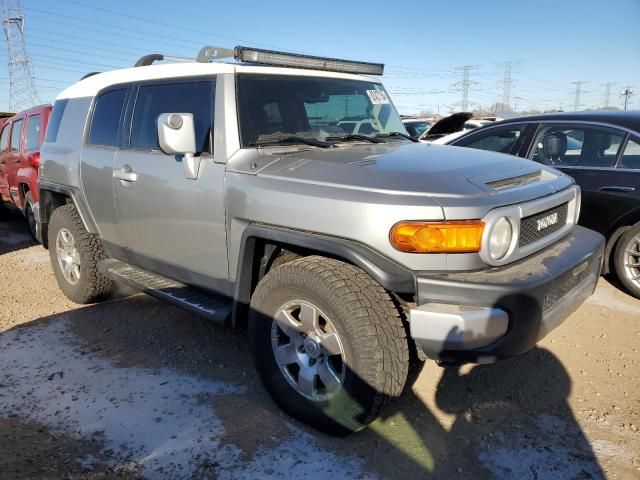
[(601, 150)]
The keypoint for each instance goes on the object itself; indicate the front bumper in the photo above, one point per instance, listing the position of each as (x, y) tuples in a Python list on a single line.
[(504, 311)]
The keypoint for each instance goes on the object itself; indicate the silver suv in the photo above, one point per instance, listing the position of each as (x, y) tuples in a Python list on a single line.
[(230, 189)]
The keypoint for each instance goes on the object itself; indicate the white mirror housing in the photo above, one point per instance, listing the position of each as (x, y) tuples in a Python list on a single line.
[(177, 136)]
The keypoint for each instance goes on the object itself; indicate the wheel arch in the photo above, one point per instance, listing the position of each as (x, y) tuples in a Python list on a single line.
[(613, 235), (52, 196), (261, 244)]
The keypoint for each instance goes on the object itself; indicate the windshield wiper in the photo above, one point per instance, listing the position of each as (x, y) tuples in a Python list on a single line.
[(355, 136), (284, 139), (396, 134)]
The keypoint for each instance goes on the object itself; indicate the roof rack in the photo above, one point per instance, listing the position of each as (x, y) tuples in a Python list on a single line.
[(257, 56)]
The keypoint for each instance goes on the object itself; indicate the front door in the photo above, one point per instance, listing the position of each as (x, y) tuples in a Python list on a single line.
[(170, 224)]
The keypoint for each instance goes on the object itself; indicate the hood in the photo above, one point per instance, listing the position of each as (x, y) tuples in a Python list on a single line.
[(447, 125), (411, 168)]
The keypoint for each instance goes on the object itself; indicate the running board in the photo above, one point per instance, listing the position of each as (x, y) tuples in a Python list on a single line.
[(205, 304)]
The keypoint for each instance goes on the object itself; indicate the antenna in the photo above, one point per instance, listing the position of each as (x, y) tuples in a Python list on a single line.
[(22, 86)]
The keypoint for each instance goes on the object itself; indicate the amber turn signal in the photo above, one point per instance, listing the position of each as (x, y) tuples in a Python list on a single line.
[(438, 237)]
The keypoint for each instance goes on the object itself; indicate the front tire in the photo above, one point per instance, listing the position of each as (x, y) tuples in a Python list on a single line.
[(75, 254), (328, 343), (627, 260)]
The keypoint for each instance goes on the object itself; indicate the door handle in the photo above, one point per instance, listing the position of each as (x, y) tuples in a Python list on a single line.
[(617, 188), (125, 174)]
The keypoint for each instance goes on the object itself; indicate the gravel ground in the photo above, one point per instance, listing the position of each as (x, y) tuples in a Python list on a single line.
[(134, 388)]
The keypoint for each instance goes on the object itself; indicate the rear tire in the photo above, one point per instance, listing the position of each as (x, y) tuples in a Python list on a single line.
[(627, 260), (365, 327), (34, 229), (75, 254)]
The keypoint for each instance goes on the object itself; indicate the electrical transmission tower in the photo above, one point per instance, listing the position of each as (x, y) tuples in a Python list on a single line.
[(627, 93), (22, 86), (607, 94), (464, 86), (579, 91), (507, 83)]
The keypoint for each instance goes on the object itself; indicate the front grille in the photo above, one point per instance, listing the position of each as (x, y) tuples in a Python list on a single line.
[(556, 294), (532, 228), (515, 181)]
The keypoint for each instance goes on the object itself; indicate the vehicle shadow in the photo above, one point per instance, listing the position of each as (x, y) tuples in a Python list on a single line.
[(507, 420), (14, 232)]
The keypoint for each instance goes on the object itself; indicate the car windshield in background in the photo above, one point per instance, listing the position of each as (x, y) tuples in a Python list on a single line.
[(416, 129), (272, 106)]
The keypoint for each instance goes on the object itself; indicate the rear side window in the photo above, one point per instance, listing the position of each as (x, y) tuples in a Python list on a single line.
[(16, 132), (54, 120), (189, 97), (106, 118), (33, 133), (631, 156)]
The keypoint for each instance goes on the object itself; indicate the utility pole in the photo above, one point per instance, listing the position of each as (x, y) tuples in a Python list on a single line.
[(607, 93), (515, 103), (579, 91), (464, 86), (22, 86), (626, 93)]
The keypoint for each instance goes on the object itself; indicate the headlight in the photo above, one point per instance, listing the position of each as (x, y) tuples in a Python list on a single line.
[(500, 238)]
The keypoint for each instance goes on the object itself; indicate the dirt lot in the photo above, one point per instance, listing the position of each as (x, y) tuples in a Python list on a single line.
[(134, 388)]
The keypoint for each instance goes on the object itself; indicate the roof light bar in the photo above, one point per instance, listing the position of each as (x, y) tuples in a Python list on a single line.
[(294, 60)]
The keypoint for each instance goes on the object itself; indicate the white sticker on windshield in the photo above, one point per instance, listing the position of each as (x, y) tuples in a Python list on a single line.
[(378, 97)]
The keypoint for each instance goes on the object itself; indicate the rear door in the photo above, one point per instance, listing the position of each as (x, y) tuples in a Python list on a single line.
[(97, 157), (4, 151), (170, 224), (590, 157)]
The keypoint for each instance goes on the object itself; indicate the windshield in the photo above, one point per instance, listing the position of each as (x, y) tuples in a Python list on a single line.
[(416, 129), (276, 106)]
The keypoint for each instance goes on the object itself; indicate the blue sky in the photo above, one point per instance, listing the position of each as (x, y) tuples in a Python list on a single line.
[(552, 43)]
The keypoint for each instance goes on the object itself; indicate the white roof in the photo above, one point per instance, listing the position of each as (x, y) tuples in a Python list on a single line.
[(90, 86)]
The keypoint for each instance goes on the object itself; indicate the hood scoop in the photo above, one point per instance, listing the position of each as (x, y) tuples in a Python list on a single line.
[(516, 181)]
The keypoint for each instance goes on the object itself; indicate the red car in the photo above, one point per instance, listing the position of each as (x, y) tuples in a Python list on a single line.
[(20, 141)]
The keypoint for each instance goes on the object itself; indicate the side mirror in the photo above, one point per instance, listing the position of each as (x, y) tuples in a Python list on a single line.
[(177, 136)]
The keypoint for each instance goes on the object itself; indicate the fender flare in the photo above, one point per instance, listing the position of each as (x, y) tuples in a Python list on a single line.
[(46, 201), (388, 273)]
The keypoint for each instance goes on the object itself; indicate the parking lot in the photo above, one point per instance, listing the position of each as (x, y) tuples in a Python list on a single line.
[(153, 391)]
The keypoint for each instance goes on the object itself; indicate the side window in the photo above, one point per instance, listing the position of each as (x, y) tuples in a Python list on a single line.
[(54, 120), (582, 146), (33, 133), (106, 118), (16, 132), (4, 139), (189, 97), (496, 140), (631, 156)]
